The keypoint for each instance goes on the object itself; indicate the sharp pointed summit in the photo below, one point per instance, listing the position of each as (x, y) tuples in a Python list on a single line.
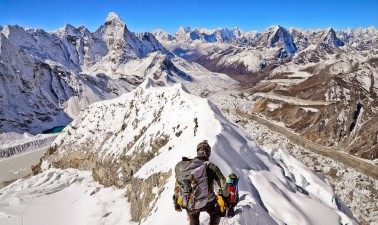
[(183, 30), (280, 36), (330, 39), (112, 16)]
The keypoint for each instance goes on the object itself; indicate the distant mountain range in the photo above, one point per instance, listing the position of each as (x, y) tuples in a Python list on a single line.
[(282, 68), (47, 78), (214, 48)]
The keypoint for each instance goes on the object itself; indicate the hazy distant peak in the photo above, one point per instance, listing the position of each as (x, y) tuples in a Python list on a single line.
[(330, 30), (372, 28), (273, 28), (159, 31), (184, 30)]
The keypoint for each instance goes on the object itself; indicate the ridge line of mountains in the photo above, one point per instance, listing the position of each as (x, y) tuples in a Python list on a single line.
[(129, 131), (47, 78)]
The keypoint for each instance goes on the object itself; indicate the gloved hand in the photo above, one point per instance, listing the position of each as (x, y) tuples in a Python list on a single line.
[(176, 205), (231, 212), (178, 208)]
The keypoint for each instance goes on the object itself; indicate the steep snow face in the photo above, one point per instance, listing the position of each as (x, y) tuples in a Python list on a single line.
[(48, 78), (279, 36), (139, 137), (122, 45), (39, 95)]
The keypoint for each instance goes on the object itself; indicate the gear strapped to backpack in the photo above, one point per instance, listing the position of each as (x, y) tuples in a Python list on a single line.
[(192, 178), (232, 183)]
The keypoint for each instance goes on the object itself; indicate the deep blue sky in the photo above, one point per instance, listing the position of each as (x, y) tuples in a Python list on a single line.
[(146, 15)]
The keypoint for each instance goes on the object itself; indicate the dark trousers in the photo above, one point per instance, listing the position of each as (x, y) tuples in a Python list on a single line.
[(211, 208)]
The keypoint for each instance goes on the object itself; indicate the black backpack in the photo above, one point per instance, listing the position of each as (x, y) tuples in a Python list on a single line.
[(192, 177)]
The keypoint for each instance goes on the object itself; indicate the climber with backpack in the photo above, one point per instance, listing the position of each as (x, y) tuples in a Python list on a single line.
[(194, 189)]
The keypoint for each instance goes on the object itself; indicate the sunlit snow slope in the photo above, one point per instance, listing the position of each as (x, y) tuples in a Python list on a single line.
[(134, 142)]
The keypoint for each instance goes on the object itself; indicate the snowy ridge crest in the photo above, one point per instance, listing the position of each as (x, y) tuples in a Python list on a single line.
[(143, 134)]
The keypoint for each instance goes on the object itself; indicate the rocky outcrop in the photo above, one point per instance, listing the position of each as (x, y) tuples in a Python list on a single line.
[(144, 193)]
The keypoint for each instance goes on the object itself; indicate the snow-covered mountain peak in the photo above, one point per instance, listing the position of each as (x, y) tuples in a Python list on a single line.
[(273, 28), (183, 30), (276, 28), (112, 16), (371, 29), (70, 30), (239, 32), (160, 32), (279, 36), (114, 24), (330, 39), (162, 35), (10, 30)]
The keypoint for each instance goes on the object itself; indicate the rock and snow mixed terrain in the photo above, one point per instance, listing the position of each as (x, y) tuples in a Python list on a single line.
[(134, 141), (281, 66), (357, 190), (113, 164), (47, 78), (222, 48)]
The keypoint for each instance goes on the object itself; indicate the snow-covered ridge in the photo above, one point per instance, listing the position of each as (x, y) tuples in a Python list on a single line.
[(139, 137), (236, 35), (49, 77), (236, 52)]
